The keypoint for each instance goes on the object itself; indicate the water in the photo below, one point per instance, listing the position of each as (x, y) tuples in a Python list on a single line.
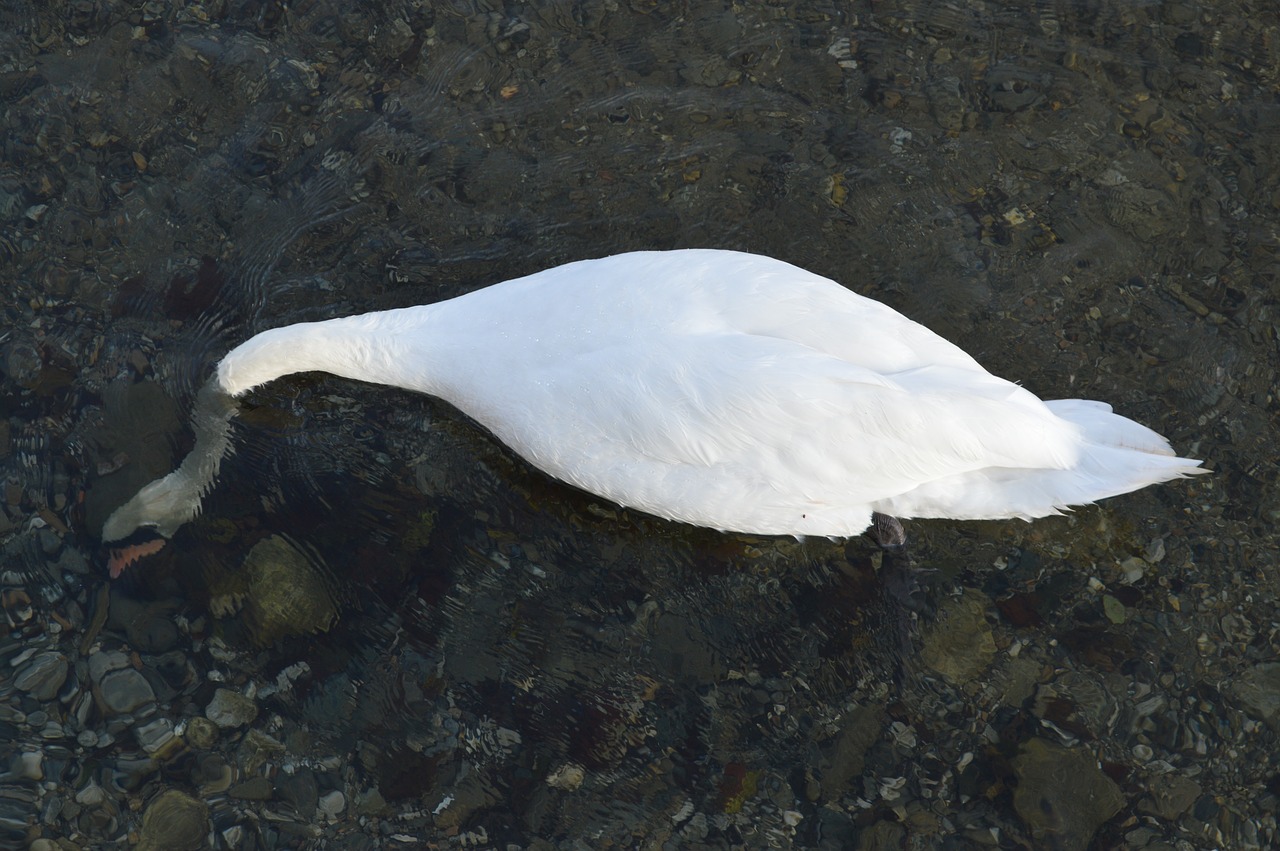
[(1082, 195)]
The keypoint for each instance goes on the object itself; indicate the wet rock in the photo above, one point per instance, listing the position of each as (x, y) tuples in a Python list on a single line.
[(104, 661), (567, 777), (230, 709), (286, 595), (844, 758), (91, 795), (174, 821), (371, 803), (256, 749), (1170, 797), (1145, 213), (960, 646), (1259, 690), (148, 627), (470, 795), (28, 764), (1062, 795), (882, 836), (201, 733), (212, 774), (43, 674), (301, 790), (123, 691), (332, 803), (156, 737), (253, 789)]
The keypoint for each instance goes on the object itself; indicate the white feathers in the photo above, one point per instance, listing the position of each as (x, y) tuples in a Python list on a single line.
[(731, 391)]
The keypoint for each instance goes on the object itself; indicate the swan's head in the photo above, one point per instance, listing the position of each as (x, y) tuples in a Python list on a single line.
[(142, 525)]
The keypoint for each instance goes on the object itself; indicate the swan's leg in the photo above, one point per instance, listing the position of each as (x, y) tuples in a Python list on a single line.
[(888, 530)]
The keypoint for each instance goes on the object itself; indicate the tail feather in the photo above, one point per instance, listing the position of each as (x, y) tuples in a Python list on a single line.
[(1116, 456)]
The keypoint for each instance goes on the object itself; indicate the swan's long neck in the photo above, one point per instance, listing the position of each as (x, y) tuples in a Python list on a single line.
[(374, 347), (169, 502), (392, 347)]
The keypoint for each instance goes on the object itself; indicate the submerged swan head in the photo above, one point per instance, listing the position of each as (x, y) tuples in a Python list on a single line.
[(154, 514), (163, 505)]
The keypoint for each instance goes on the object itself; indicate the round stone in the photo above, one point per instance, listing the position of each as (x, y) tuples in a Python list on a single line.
[(124, 691)]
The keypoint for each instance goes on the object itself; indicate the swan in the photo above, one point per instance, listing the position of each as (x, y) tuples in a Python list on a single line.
[(710, 387)]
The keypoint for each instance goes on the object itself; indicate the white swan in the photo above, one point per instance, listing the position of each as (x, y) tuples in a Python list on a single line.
[(716, 388)]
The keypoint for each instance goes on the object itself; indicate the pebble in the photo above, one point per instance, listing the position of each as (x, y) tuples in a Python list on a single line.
[(155, 736), (174, 821), (43, 675), (201, 733), (1259, 690), (301, 790), (91, 795), (123, 691), (332, 803), (29, 764), (102, 662), (230, 709)]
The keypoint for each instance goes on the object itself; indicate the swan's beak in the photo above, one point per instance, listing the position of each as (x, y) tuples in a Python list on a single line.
[(143, 542)]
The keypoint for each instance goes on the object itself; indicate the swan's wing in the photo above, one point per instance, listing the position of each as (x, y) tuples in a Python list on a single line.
[(731, 411)]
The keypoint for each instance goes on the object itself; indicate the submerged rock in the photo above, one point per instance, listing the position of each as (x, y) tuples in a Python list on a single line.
[(1062, 795), (287, 596), (960, 645), (43, 675), (229, 709), (174, 822)]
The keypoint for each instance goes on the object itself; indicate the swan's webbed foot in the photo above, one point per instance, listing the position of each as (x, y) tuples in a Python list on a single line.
[(888, 530)]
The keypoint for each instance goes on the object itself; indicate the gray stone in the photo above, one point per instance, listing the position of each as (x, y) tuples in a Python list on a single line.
[(1259, 690), (43, 675), (332, 803), (124, 691), (1062, 795), (230, 709), (155, 736), (102, 662), (1170, 797)]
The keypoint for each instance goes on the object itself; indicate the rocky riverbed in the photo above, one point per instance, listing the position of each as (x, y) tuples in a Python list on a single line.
[(387, 632)]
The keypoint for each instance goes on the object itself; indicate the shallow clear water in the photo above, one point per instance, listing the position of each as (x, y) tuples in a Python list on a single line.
[(1082, 195)]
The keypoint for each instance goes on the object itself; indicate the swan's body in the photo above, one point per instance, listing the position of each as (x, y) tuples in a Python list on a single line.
[(721, 389)]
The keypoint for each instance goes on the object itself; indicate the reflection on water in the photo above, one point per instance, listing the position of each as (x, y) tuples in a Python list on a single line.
[(386, 631)]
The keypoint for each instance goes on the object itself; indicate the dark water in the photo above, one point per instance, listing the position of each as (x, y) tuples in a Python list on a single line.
[(433, 645)]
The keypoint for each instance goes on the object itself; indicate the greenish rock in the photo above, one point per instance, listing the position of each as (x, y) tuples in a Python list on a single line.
[(230, 709), (1170, 797), (256, 749), (960, 644), (1062, 795), (843, 760), (371, 803), (174, 821), (1259, 690), (286, 595), (253, 789), (882, 836), (201, 733), (1113, 609)]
